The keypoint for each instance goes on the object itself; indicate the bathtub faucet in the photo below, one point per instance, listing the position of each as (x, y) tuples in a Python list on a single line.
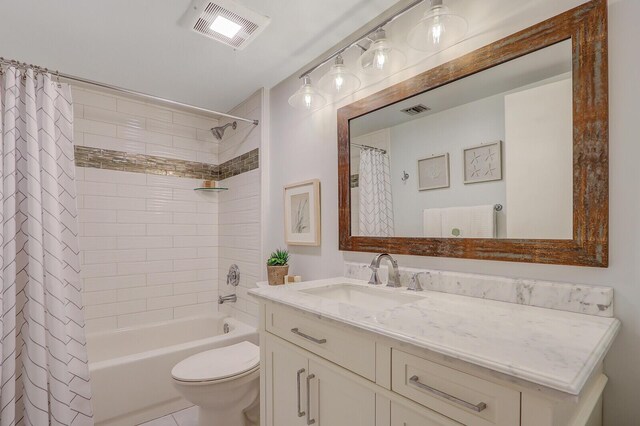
[(229, 298)]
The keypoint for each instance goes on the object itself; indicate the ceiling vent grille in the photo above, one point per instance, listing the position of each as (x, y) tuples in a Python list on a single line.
[(204, 13), (416, 109)]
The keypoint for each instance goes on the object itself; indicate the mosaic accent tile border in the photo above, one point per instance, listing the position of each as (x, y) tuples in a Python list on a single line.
[(140, 163), (241, 164)]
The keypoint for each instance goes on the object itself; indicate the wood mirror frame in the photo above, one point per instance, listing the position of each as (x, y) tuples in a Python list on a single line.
[(586, 26)]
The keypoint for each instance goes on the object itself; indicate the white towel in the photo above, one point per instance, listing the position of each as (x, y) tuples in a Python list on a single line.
[(482, 222), (432, 223), (456, 222), (469, 222)]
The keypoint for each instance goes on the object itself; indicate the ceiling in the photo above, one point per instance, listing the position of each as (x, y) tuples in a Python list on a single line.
[(141, 46)]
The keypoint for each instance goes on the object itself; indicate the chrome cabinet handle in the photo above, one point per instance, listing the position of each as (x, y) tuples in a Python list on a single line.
[(414, 380), (310, 421), (306, 336), (300, 413)]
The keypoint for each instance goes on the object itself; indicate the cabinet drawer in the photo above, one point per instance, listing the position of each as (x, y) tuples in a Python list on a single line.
[(341, 346), (403, 416), (460, 396)]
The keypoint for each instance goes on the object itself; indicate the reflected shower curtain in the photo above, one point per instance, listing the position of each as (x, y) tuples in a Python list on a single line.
[(44, 374), (376, 204)]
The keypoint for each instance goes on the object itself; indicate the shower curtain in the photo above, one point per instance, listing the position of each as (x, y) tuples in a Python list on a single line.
[(376, 204), (43, 371)]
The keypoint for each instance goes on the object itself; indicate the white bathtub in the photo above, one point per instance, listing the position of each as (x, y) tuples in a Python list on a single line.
[(131, 368)]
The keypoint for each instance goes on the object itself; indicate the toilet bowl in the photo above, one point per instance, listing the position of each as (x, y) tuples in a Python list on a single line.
[(224, 383)]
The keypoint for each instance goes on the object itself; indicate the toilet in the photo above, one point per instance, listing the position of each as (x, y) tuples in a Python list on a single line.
[(224, 383)]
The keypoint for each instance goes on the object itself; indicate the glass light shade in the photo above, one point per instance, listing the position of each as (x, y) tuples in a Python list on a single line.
[(381, 56), (438, 29), (339, 81), (307, 97)]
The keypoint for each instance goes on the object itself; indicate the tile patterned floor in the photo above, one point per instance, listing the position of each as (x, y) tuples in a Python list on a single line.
[(186, 417)]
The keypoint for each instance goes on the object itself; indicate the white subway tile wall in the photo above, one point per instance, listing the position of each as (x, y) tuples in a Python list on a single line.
[(239, 215), (149, 243)]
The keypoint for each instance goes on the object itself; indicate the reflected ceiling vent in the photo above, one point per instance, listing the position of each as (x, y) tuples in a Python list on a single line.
[(225, 21), (417, 109)]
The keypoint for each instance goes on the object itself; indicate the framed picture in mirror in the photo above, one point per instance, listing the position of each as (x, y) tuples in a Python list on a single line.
[(483, 163), (433, 172)]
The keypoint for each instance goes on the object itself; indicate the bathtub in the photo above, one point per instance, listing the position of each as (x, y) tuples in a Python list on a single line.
[(131, 368)]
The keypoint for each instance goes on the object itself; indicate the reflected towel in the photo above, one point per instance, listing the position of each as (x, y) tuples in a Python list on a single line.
[(432, 223), (469, 222), (482, 222)]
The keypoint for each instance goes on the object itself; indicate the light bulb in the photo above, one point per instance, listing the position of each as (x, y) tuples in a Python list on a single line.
[(438, 29), (307, 97), (339, 81), (380, 59), (381, 56)]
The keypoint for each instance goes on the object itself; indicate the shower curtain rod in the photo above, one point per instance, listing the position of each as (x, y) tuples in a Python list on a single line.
[(357, 145), (167, 102)]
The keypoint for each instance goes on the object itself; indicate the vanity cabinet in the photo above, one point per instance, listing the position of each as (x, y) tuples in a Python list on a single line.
[(323, 372)]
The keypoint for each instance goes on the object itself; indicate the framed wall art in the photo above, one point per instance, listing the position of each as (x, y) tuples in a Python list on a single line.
[(483, 163), (302, 213), (433, 172)]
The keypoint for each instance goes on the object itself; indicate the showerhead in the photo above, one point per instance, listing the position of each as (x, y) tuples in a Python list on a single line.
[(218, 132)]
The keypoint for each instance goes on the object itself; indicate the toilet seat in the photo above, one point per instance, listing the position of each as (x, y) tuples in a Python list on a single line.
[(220, 364)]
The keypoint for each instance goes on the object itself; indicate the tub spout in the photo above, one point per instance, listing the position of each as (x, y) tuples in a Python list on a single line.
[(229, 298)]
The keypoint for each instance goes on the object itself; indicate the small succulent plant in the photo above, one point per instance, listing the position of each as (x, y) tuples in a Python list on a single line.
[(278, 258)]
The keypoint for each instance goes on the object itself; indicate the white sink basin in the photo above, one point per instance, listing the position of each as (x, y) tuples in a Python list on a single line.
[(365, 297)]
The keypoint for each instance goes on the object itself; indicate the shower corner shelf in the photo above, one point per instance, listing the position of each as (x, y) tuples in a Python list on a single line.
[(217, 189)]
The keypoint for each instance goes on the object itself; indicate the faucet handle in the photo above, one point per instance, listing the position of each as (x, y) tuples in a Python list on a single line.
[(375, 279), (414, 284)]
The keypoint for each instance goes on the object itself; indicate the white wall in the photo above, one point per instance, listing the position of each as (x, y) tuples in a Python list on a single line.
[(240, 212), (447, 131), (303, 146), (148, 243), (540, 163)]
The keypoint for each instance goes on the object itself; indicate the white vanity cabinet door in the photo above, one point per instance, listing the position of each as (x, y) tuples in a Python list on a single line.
[(403, 416), (286, 402), (338, 400)]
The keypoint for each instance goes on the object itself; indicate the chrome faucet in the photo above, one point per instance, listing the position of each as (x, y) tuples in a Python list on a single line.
[(394, 274)]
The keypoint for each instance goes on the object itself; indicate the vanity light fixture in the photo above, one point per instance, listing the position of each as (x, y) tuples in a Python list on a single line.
[(378, 58), (339, 81), (381, 55), (307, 97), (438, 29)]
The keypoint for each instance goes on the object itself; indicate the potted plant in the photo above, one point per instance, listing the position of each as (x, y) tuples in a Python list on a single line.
[(277, 266)]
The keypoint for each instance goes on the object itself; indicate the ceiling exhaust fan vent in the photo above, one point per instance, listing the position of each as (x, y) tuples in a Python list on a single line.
[(416, 109), (226, 21)]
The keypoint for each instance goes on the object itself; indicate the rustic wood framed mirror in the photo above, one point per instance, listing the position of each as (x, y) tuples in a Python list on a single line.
[(519, 184)]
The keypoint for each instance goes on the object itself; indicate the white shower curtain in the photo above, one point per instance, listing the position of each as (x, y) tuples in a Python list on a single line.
[(44, 374), (374, 184)]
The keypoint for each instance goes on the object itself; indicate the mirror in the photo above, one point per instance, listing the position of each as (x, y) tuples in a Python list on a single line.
[(500, 154), (486, 156)]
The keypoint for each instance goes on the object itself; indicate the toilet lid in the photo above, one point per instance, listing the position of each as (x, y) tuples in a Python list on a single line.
[(217, 364)]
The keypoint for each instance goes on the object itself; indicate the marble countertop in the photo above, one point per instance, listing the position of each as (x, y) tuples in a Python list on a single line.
[(552, 348)]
